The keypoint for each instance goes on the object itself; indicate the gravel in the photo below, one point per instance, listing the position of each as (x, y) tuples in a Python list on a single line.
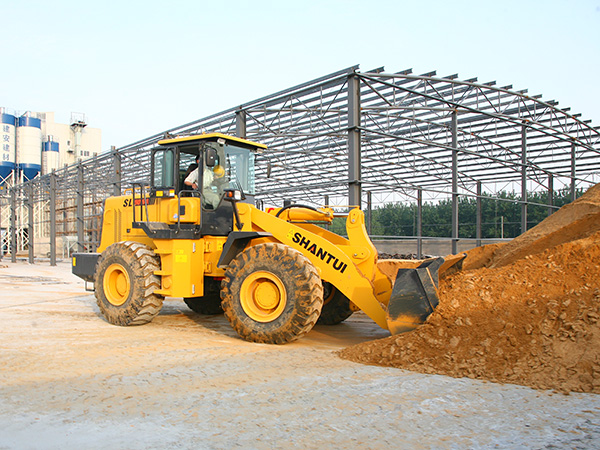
[(71, 380)]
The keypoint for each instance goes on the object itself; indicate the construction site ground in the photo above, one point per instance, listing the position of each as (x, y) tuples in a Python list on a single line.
[(71, 380)]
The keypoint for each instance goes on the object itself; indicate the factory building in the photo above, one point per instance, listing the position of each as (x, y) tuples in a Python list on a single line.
[(33, 144)]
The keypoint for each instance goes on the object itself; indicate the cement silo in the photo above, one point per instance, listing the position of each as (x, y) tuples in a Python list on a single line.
[(7, 145), (29, 146), (50, 155)]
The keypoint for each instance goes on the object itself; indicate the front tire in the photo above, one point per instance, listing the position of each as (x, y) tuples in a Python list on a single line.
[(125, 284), (271, 294)]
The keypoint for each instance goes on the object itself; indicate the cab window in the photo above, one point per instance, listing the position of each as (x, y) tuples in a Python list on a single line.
[(240, 169), (162, 168), (187, 164)]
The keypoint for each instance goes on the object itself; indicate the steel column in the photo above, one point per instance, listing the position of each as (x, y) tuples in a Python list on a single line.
[(30, 224), (240, 123), (478, 217), (573, 172), (550, 193), (53, 218), (93, 236), (13, 225), (419, 223), (326, 199), (65, 203), (80, 208), (369, 211), (454, 182), (523, 179), (354, 160), (117, 172)]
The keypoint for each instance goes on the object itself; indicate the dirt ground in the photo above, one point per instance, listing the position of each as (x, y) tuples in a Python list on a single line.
[(526, 312), (70, 380)]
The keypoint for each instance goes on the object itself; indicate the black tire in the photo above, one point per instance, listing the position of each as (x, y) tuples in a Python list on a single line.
[(336, 306), (272, 294), (210, 303), (125, 284)]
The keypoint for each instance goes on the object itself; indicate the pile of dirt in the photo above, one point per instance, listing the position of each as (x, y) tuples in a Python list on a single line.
[(577, 220), (527, 312)]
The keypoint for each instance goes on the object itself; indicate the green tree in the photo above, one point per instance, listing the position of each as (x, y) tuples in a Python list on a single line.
[(394, 219), (500, 215)]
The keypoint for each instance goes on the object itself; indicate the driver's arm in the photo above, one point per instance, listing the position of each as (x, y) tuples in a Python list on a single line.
[(192, 179)]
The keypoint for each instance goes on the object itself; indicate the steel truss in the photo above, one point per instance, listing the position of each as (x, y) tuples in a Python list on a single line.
[(354, 138)]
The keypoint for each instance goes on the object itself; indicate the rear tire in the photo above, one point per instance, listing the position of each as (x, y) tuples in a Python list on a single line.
[(272, 294), (210, 303), (125, 284), (336, 306)]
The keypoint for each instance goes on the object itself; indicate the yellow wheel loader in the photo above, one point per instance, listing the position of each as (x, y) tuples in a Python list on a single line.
[(193, 232)]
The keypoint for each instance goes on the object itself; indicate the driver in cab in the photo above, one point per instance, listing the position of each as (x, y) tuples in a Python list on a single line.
[(211, 178)]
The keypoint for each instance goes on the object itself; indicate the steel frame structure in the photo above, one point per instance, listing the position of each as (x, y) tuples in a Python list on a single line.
[(352, 138)]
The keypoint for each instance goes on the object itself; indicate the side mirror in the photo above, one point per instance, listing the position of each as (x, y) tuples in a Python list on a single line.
[(211, 157)]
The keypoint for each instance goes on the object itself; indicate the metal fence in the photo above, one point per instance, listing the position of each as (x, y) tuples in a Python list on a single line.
[(348, 138)]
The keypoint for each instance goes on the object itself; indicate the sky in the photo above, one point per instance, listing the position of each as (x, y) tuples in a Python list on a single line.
[(137, 68)]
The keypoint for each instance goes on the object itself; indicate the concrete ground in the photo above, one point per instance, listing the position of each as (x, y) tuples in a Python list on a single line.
[(69, 379)]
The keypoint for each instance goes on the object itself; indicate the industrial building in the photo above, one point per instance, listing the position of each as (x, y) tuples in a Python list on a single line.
[(33, 144)]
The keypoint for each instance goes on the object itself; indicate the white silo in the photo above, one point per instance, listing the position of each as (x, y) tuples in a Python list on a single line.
[(29, 146), (50, 158), (7, 144)]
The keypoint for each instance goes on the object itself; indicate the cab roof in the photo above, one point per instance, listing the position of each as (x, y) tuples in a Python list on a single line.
[(210, 137)]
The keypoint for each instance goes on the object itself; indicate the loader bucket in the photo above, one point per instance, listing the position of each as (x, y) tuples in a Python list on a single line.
[(414, 295)]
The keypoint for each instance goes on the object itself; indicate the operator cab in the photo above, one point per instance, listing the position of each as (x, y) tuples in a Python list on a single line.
[(215, 163), (221, 162)]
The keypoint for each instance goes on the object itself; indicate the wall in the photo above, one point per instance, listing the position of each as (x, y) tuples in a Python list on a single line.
[(432, 247), (91, 140)]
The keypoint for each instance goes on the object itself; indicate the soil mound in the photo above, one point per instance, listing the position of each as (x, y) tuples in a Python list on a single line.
[(576, 220), (531, 317)]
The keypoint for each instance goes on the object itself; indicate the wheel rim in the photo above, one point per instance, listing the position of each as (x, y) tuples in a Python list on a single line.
[(263, 296), (116, 284)]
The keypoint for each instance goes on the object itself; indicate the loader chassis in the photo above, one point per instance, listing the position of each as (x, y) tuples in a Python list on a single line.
[(274, 273)]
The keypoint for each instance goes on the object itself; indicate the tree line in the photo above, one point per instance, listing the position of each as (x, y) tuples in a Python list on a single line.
[(500, 216)]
